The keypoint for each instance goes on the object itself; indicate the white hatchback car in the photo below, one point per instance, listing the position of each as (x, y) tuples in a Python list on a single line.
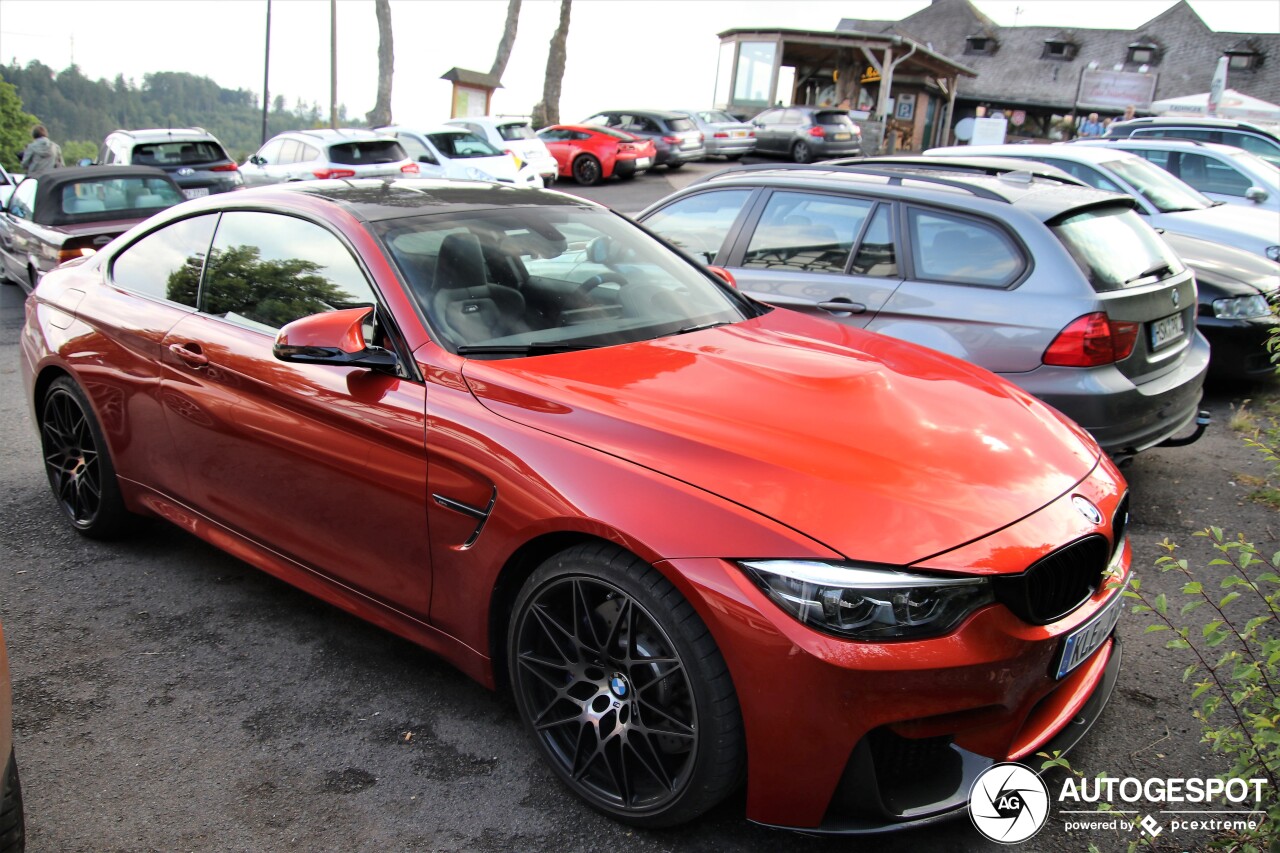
[(514, 134), (1164, 200), (446, 151)]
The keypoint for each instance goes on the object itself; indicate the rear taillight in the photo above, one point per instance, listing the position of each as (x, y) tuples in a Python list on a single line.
[(671, 140), (817, 130), (333, 173), (410, 169), (65, 255), (1092, 340), (720, 134), (225, 167)]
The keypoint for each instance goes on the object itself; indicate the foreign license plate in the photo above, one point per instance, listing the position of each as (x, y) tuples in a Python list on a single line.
[(1167, 330), (644, 162), (1085, 640), (738, 134), (841, 137), (196, 193)]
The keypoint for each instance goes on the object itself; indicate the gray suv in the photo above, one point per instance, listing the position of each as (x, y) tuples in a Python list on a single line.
[(1061, 289), (807, 133), (309, 155), (192, 157)]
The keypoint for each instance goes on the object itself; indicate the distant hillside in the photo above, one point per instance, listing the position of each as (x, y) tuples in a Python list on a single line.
[(79, 110)]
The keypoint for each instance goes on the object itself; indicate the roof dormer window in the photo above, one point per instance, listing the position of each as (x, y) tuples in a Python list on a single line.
[(980, 45), (1144, 52), (1060, 49), (1244, 56)]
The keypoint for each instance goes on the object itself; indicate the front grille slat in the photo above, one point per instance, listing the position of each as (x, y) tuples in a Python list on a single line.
[(1057, 583)]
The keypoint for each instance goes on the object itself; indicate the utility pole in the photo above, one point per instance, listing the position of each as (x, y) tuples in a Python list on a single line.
[(333, 64), (266, 75)]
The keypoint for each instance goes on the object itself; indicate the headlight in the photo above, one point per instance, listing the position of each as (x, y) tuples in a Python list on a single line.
[(475, 174), (865, 603), (1273, 252), (1241, 307)]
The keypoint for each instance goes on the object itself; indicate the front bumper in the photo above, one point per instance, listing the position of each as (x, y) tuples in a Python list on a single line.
[(832, 725), (1239, 347)]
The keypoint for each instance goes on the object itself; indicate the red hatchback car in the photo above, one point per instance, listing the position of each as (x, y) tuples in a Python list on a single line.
[(589, 154), (698, 537)]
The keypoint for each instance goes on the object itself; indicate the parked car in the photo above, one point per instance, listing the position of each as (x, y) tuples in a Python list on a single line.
[(8, 183), (1236, 291), (515, 135), (192, 156), (1241, 134), (1238, 295), (549, 434), (674, 135), (1061, 289), (12, 827), (590, 154), (1220, 172), (1166, 202), (806, 133), (308, 155), (448, 151), (722, 134), (68, 213)]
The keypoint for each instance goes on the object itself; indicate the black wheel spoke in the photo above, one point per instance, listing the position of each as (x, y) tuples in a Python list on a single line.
[(649, 759)]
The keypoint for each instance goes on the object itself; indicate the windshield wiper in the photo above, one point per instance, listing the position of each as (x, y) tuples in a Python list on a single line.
[(540, 347), (698, 328), (1154, 271)]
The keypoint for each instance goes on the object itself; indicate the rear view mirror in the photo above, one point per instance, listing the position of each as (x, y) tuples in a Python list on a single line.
[(427, 158), (724, 275), (334, 337), (1257, 195)]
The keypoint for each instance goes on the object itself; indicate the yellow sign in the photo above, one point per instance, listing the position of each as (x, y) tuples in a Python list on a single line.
[(871, 75)]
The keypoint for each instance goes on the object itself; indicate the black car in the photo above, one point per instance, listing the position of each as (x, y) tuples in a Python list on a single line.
[(806, 133), (68, 213), (192, 156), (1238, 296), (676, 137)]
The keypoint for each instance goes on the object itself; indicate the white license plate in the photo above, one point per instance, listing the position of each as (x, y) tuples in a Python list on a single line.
[(644, 162), (1085, 640), (738, 134), (1167, 330), (196, 193), (841, 137)]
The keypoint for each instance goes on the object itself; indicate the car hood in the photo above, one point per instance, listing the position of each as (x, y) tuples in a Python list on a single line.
[(878, 449), (497, 166), (1232, 271), (1243, 227)]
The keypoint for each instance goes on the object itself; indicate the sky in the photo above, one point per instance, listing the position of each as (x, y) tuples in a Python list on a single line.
[(621, 53)]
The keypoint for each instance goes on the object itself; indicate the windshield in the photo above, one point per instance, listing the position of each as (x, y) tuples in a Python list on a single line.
[(526, 281), (513, 132), (1115, 248), (1165, 192), (462, 144)]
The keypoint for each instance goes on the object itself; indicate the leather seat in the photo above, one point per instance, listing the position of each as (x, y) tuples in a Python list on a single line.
[(464, 304)]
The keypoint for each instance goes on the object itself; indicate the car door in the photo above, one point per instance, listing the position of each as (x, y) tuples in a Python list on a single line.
[(324, 464), (798, 252), (15, 222), (1215, 177), (766, 125), (255, 169), (421, 152)]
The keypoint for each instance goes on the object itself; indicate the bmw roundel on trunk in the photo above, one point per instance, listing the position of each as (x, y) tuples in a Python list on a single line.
[(704, 542)]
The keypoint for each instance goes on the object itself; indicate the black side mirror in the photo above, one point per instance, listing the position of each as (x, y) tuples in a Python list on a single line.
[(257, 161), (334, 337), (428, 159)]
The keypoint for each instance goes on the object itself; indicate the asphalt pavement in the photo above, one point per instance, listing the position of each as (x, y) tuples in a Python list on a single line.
[(169, 697)]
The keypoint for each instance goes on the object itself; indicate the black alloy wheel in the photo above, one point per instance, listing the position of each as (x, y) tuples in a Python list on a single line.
[(78, 464), (624, 689), (586, 170)]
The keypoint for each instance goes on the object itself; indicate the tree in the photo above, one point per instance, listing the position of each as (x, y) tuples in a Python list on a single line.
[(508, 41), (547, 111), (15, 127), (380, 115)]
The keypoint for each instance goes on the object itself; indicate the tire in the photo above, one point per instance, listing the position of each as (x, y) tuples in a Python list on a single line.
[(587, 171), (801, 152), (583, 628), (731, 157), (78, 463), (675, 166), (12, 825), (626, 176)]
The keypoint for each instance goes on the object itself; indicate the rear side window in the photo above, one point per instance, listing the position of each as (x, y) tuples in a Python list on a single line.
[(266, 270), (1180, 133), (366, 152), (808, 233), (1115, 248), (512, 132), (166, 264), (699, 223), (178, 154), (962, 250), (840, 119)]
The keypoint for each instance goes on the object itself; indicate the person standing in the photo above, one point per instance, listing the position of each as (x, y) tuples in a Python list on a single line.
[(1091, 127), (43, 154)]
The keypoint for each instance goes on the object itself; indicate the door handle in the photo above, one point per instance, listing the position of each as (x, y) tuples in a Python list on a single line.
[(192, 357), (843, 306)]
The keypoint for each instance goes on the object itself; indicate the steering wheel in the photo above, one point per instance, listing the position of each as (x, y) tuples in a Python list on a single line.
[(599, 279)]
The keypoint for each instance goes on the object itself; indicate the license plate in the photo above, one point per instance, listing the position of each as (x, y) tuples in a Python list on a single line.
[(1085, 640), (196, 193), (644, 162), (841, 137), (738, 134), (1167, 330)]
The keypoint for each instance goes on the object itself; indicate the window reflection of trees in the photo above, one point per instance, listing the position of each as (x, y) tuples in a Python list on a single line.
[(240, 284)]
